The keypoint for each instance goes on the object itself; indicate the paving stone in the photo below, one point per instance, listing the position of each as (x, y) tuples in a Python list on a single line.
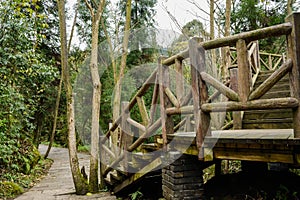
[(58, 184)]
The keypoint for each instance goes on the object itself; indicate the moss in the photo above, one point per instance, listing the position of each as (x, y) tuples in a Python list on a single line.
[(10, 189)]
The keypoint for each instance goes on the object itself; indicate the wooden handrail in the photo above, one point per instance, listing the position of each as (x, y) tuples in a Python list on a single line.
[(260, 104), (271, 80), (272, 31)]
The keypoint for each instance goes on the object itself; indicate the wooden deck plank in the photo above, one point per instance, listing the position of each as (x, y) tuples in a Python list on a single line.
[(245, 134)]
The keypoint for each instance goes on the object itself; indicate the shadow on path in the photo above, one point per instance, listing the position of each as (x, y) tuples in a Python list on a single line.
[(58, 183)]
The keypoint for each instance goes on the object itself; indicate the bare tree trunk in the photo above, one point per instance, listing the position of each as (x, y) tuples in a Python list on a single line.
[(80, 183), (118, 87), (59, 91), (290, 6), (55, 116), (94, 159)]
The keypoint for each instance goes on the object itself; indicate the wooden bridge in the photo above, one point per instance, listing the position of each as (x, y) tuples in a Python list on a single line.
[(262, 98)]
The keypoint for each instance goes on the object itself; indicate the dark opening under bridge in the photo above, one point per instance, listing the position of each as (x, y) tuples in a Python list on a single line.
[(262, 96)]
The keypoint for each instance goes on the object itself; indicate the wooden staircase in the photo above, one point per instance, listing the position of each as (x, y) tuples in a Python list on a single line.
[(271, 119), (142, 168)]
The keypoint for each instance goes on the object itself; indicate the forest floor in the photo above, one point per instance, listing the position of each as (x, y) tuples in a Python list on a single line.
[(58, 183)]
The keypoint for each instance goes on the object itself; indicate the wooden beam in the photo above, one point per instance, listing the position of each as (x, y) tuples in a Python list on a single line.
[(136, 176), (229, 93), (154, 99), (126, 137), (179, 79), (149, 131), (277, 30), (180, 56), (180, 124), (143, 110), (271, 80), (244, 72), (136, 124), (260, 104), (236, 115), (185, 100), (253, 155), (139, 93), (164, 82), (172, 97), (200, 93), (180, 110), (294, 54)]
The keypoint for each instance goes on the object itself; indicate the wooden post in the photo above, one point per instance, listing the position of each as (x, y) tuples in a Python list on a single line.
[(154, 99), (294, 53), (244, 72), (236, 115), (200, 93), (179, 80), (127, 138), (164, 82)]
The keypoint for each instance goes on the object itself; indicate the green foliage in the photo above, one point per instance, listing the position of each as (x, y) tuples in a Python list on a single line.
[(28, 77), (136, 195), (10, 189), (13, 184)]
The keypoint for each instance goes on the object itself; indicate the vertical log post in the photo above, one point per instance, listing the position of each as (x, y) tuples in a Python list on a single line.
[(294, 53), (154, 99), (200, 93), (166, 121), (127, 138), (236, 115), (244, 71), (179, 80)]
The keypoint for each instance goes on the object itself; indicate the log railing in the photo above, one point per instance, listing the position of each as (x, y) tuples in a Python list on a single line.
[(194, 103)]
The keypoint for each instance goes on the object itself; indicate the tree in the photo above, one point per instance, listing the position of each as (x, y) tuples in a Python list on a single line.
[(96, 14), (81, 185), (119, 78), (290, 6)]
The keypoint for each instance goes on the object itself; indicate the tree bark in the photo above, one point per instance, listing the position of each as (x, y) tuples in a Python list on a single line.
[(80, 183), (59, 91), (94, 158), (118, 86), (290, 6)]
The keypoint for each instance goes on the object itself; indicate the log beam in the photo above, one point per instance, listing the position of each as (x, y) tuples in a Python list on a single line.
[(260, 104), (229, 93), (271, 80)]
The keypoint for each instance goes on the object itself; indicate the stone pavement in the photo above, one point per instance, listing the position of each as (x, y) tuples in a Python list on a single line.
[(58, 184)]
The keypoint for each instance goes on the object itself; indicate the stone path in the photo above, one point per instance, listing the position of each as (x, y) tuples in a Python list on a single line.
[(58, 184)]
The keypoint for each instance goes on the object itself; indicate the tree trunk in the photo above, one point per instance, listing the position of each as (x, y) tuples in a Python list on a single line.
[(55, 117), (290, 6), (118, 87), (59, 91), (80, 183), (94, 158)]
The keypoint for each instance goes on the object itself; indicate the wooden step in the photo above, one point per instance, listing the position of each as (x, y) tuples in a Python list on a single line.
[(148, 169), (276, 94), (270, 119), (270, 114)]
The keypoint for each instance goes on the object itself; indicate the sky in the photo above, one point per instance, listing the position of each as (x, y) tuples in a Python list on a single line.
[(183, 10)]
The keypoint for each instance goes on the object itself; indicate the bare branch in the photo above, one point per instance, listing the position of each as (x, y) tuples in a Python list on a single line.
[(172, 17), (198, 6), (100, 9), (89, 7), (73, 26)]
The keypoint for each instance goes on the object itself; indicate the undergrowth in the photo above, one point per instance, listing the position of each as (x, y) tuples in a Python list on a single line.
[(13, 183)]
